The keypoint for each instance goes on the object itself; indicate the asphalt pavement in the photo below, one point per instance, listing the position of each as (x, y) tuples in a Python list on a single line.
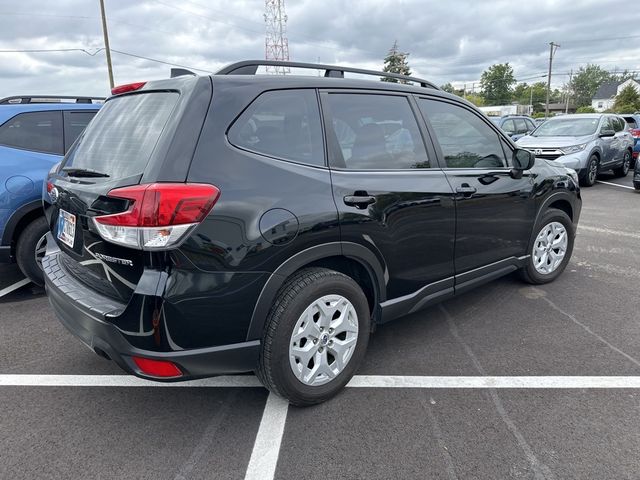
[(584, 325)]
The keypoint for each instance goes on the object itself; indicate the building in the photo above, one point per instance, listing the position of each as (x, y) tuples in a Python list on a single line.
[(502, 110), (605, 97)]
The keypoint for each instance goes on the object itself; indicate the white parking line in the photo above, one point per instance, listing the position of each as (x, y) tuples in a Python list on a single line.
[(266, 449), (15, 286), (608, 231), (359, 381), (615, 185)]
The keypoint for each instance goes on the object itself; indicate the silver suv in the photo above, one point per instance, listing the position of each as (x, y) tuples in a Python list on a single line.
[(588, 143)]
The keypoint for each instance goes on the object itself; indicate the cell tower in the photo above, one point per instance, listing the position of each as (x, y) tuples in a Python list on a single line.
[(276, 44)]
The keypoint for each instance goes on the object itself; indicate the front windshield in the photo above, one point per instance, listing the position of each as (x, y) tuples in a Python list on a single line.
[(567, 127)]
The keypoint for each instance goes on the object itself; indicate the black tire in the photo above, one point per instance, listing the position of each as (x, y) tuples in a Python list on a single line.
[(26, 250), (529, 272), (636, 185), (623, 169), (588, 179), (306, 286)]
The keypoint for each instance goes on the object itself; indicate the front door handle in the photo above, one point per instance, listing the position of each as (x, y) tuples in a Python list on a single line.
[(361, 200), (466, 189)]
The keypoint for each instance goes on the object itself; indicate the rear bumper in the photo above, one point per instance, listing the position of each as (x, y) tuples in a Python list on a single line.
[(89, 321)]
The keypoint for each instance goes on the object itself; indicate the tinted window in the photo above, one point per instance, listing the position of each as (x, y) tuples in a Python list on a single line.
[(121, 138), (377, 132), (631, 122), (508, 126), (606, 124), (37, 131), (521, 125), (618, 124), (283, 124), (466, 141), (74, 125)]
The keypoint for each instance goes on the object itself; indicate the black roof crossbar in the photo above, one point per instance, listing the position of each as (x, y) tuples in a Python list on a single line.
[(17, 99), (249, 67)]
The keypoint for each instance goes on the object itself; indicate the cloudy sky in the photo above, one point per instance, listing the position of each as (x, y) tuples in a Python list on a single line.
[(448, 41)]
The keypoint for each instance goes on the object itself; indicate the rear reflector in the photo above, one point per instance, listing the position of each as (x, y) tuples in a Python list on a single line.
[(635, 154), (128, 87), (159, 214), (157, 368)]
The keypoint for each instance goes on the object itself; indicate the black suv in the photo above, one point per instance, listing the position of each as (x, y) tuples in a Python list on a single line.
[(240, 222)]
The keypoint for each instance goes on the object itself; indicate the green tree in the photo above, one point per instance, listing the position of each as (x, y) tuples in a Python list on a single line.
[(476, 99), (586, 82), (535, 93), (497, 84), (588, 109), (627, 99), (396, 62)]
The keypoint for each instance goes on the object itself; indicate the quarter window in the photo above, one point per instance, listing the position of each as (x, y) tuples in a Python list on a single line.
[(36, 131), (465, 139), (375, 132), (509, 127), (283, 124)]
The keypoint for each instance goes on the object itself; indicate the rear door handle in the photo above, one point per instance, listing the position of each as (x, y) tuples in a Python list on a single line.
[(359, 201), (466, 189)]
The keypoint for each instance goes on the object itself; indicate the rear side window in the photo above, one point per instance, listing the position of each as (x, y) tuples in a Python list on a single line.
[(74, 125), (122, 136), (283, 124), (509, 126), (375, 132), (631, 122), (36, 131)]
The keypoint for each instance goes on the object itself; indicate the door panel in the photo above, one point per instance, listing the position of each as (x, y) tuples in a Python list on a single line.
[(494, 212), (390, 195)]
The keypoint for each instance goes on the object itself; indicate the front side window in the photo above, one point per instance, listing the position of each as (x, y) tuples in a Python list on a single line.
[(618, 124), (283, 124), (465, 139), (509, 127), (375, 132), (37, 131), (606, 125)]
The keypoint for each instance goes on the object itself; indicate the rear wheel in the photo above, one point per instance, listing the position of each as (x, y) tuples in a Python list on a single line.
[(550, 247), (623, 169), (30, 249), (590, 174), (315, 336)]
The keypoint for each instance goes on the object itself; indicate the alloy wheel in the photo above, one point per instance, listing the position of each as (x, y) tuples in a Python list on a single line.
[(323, 340), (41, 248), (550, 248), (593, 171)]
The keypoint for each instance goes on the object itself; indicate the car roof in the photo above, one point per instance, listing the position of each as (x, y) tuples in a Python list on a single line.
[(10, 111)]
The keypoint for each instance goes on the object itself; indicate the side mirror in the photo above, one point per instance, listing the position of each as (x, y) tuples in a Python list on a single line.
[(607, 133), (522, 160)]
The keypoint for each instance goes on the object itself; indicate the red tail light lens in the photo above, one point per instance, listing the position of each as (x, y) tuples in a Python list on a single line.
[(128, 87), (157, 368), (159, 214), (635, 132)]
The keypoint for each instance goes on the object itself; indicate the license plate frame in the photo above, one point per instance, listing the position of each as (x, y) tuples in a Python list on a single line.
[(66, 228)]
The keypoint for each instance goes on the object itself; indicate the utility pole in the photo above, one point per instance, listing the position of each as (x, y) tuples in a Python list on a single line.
[(531, 99), (566, 108), (107, 49), (552, 50)]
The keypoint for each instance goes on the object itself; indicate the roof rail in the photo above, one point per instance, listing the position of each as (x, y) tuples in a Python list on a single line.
[(17, 99), (249, 67)]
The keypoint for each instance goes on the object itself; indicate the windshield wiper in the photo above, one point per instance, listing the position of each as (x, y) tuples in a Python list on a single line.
[(83, 172)]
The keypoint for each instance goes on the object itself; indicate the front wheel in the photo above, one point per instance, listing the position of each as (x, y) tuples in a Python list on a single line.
[(30, 249), (623, 169), (315, 336), (550, 247), (590, 174)]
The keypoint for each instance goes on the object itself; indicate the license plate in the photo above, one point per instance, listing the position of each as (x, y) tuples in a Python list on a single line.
[(66, 228)]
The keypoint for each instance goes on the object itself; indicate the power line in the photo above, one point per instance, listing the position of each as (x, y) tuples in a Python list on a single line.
[(160, 61)]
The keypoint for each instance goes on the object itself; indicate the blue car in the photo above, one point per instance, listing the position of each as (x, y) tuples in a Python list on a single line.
[(35, 133), (634, 127)]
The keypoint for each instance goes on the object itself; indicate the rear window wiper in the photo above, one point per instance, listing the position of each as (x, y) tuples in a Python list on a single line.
[(83, 172)]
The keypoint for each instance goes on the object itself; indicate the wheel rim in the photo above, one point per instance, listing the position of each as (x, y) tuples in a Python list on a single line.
[(593, 171), (626, 163), (41, 248), (550, 248), (323, 340)]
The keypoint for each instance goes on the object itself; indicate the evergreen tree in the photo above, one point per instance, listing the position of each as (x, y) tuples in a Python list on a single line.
[(396, 62), (628, 100)]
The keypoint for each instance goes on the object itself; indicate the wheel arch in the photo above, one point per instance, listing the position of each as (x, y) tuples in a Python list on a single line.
[(352, 259), (22, 217), (560, 200)]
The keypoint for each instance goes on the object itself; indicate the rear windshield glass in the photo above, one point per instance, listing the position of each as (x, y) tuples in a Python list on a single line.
[(568, 127), (120, 139)]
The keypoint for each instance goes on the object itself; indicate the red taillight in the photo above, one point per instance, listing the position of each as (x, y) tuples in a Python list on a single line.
[(635, 132), (157, 368), (49, 187), (159, 214), (635, 155), (128, 87)]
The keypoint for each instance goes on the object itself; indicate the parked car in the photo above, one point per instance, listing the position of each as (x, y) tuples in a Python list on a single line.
[(633, 121), (636, 176), (244, 228), (588, 143), (539, 121), (516, 126), (35, 132)]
